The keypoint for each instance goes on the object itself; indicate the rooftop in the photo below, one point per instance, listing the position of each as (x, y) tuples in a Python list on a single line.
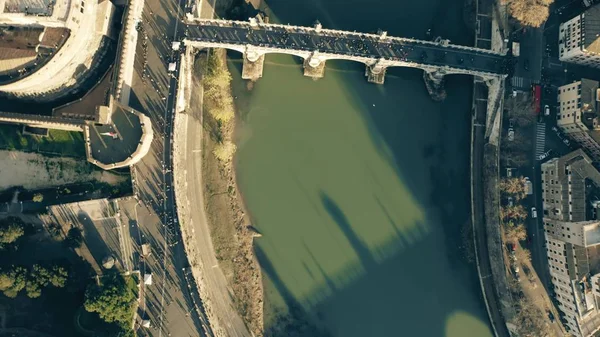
[(591, 28), (33, 7)]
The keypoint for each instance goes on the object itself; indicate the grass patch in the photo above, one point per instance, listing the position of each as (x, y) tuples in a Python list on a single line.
[(132, 285), (58, 142)]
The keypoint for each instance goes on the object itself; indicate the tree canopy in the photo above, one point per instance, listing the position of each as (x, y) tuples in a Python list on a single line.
[(516, 212), (38, 197), (17, 278), (513, 186), (111, 300), (217, 93), (74, 238), (11, 229), (224, 151), (12, 281), (515, 232), (531, 13)]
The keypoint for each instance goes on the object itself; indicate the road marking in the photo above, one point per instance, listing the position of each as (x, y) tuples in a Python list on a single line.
[(540, 139)]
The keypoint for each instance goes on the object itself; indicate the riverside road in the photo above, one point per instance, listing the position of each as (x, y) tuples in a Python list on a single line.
[(348, 45)]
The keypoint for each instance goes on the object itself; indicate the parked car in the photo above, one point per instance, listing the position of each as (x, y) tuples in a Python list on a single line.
[(555, 129), (550, 316), (511, 134), (510, 201), (567, 141), (546, 110), (510, 123), (526, 64), (533, 212), (528, 186)]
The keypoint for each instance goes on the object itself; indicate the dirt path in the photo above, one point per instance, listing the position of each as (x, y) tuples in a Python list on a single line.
[(33, 171), (536, 294)]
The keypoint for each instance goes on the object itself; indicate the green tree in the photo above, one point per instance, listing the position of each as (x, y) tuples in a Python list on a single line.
[(74, 238), (217, 85), (224, 151), (33, 289), (41, 277), (12, 281), (111, 300), (38, 197), (11, 229), (58, 276)]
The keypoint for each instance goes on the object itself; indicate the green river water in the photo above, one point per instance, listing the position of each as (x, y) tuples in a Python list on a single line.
[(360, 190)]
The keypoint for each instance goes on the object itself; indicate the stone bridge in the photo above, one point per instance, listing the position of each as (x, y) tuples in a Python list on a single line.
[(317, 45)]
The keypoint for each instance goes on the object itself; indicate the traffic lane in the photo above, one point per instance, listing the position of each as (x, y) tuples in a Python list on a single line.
[(368, 47), (171, 302)]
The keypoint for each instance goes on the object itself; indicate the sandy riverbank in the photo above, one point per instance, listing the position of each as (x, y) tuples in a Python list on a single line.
[(229, 223), (201, 179)]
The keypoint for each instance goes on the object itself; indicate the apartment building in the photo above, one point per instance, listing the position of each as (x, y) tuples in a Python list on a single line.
[(577, 114), (578, 39), (573, 239)]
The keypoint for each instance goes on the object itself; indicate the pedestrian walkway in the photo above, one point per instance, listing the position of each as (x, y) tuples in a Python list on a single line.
[(520, 82), (540, 139)]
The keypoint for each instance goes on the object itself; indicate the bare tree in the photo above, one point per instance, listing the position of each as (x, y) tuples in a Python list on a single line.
[(524, 254), (530, 321), (520, 143), (514, 232), (521, 111), (517, 159), (513, 186), (516, 212)]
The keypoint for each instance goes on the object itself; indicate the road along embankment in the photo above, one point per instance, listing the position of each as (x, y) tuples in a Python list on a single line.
[(219, 296)]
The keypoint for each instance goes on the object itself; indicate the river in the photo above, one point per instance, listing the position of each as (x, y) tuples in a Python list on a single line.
[(360, 190)]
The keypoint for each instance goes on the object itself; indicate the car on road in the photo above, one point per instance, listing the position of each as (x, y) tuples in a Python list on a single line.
[(546, 110), (555, 129), (526, 64), (567, 141), (544, 155), (528, 186), (533, 213), (511, 134)]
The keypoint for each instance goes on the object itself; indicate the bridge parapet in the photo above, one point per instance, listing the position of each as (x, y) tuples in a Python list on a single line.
[(45, 122), (319, 30)]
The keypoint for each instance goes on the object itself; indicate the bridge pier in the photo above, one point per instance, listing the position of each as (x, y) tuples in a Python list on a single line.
[(434, 81), (376, 72), (252, 69), (314, 66)]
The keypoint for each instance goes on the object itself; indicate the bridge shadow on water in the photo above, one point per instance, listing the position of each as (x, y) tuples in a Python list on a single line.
[(416, 280)]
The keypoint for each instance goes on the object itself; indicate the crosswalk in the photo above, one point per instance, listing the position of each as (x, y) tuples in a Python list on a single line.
[(540, 139), (520, 82)]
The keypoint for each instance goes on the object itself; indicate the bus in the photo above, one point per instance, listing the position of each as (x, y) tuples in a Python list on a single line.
[(537, 98)]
